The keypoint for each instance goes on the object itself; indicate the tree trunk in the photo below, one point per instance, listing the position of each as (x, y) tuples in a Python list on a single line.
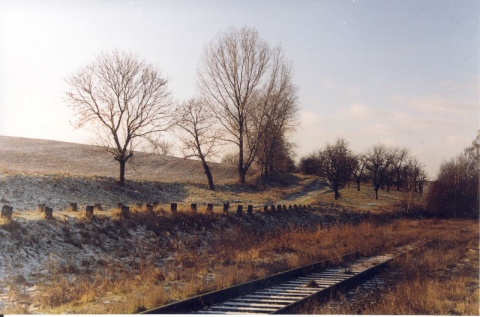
[(121, 181), (358, 185), (241, 168), (265, 170), (376, 192), (337, 193), (211, 186), (242, 176)]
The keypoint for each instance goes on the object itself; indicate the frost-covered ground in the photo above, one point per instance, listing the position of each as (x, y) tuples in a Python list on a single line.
[(24, 192), (35, 251)]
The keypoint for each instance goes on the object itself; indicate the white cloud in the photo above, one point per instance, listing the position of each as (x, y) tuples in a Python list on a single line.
[(356, 111)]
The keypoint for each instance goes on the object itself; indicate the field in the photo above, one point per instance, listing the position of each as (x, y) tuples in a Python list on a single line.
[(110, 264)]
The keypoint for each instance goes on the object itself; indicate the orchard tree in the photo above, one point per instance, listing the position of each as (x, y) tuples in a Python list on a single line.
[(378, 162), (337, 165), (123, 99), (411, 174), (399, 162), (242, 78), (358, 172)]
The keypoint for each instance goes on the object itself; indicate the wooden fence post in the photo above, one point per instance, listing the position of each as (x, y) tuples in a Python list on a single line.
[(125, 211), (150, 208), (173, 208), (265, 208), (250, 209), (89, 211), (48, 212), (226, 206), (272, 208), (73, 207), (210, 208), (98, 207), (193, 208), (7, 212), (240, 210)]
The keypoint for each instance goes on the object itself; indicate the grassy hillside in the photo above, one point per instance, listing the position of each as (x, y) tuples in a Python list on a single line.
[(57, 173), (53, 157)]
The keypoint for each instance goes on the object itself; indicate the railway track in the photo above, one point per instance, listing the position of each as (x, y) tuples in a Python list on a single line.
[(286, 292)]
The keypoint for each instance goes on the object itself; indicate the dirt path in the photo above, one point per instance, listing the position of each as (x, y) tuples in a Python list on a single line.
[(310, 193)]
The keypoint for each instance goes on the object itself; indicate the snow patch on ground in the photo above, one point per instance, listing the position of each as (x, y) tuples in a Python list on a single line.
[(25, 192), (33, 250)]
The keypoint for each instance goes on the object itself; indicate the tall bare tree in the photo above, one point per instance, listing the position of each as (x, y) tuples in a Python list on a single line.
[(123, 99), (199, 136), (239, 78), (277, 105)]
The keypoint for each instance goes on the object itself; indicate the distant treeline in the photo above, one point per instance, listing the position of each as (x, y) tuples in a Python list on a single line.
[(384, 166), (455, 192)]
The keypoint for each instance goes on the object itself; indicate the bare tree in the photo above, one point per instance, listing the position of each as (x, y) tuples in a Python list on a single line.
[(337, 164), (280, 158), (310, 164), (359, 170), (411, 174), (123, 99), (277, 105), (378, 163), (160, 146), (455, 192), (240, 77), (399, 161), (230, 158), (199, 137)]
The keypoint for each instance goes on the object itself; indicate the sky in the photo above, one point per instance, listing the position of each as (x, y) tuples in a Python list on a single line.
[(399, 72)]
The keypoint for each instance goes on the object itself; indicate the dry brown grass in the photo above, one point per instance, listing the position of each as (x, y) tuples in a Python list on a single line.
[(441, 280), (243, 255)]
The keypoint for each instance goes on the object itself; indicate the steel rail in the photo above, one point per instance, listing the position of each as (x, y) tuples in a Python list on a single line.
[(285, 292)]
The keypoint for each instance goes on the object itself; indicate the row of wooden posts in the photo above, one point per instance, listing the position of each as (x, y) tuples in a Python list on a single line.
[(125, 210)]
